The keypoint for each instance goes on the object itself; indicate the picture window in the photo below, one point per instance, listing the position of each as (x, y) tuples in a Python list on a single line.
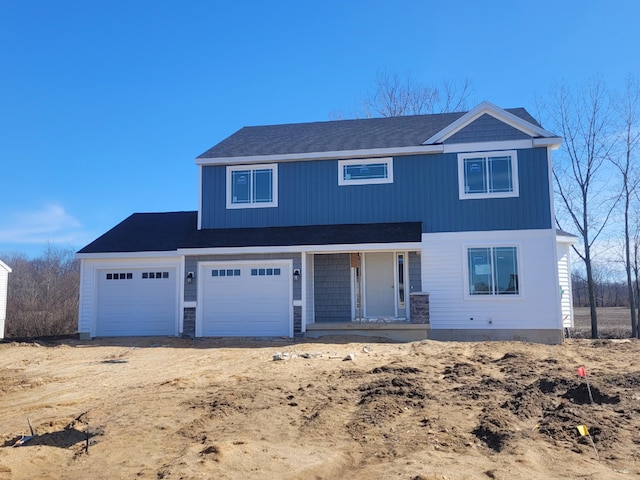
[(493, 271), (488, 175), (252, 186)]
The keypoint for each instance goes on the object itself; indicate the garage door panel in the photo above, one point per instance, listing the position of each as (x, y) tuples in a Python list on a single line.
[(135, 302), (253, 301)]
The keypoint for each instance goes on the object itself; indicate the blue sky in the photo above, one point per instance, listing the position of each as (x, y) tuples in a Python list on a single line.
[(105, 104)]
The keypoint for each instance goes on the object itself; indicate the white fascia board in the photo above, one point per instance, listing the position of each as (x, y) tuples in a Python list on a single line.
[(360, 247), (5, 266), (340, 154), (474, 147), (553, 142), (496, 112), (125, 255), (570, 239)]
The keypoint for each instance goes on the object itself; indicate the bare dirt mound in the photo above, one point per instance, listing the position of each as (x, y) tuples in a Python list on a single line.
[(222, 409)]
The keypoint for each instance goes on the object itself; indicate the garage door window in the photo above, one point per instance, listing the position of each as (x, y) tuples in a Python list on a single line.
[(264, 272), (120, 276), (226, 272), (147, 275)]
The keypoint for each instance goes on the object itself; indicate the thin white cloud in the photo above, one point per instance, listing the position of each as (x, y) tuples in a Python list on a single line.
[(51, 223)]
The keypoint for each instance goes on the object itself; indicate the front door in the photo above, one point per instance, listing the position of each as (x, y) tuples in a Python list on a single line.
[(379, 285)]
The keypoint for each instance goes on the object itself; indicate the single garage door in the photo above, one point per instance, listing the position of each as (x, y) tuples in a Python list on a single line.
[(135, 302), (246, 299)]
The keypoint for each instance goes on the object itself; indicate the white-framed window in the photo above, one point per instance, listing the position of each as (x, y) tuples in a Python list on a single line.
[(252, 186), (365, 171), (488, 174), (492, 271)]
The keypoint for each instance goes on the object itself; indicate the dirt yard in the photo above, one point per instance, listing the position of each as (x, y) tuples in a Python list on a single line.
[(338, 409)]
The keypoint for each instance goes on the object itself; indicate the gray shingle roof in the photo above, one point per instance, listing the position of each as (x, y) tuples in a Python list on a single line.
[(369, 133), (168, 232)]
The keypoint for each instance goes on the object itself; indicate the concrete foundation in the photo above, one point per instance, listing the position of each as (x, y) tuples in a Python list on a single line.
[(547, 336)]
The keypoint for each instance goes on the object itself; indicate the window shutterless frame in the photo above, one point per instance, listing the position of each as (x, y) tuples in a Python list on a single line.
[(365, 171), (252, 186), (492, 271), (488, 175)]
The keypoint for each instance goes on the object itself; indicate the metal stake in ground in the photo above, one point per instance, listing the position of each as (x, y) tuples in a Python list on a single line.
[(583, 373), (585, 433)]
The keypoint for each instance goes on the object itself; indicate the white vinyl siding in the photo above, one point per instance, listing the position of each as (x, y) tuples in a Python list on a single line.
[(4, 286), (564, 280), (444, 259)]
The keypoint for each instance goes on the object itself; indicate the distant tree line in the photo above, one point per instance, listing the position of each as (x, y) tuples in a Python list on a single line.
[(42, 296)]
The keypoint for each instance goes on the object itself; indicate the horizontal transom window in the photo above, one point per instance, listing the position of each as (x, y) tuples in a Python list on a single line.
[(252, 186), (365, 171), (488, 175)]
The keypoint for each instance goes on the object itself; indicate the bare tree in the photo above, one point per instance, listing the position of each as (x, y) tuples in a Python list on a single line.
[(628, 112), (395, 96), (583, 118), (43, 294)]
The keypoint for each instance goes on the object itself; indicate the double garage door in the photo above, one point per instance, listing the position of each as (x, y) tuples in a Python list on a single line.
[(245, 299), (136, 302)]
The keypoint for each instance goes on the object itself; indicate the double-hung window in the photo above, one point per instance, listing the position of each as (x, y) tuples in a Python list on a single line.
[(252, 186), (488, 175), (364, 172), (493, 271)]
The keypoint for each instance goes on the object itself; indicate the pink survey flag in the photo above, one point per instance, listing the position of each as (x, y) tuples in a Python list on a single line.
[(581, 371)]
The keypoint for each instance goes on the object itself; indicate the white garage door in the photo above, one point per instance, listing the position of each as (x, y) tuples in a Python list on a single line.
[(134, 302), (246, 299)]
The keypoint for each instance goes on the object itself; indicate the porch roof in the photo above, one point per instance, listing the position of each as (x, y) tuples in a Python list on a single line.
[(171, 231)]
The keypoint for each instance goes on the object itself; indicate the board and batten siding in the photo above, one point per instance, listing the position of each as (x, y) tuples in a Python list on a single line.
[(424, 188), (444, 276)]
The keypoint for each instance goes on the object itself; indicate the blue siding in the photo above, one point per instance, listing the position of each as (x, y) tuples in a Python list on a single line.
[(425, 189)]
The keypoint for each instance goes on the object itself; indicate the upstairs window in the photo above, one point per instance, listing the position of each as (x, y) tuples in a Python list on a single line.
[(488, 175), (363, 172), (252, 186), (493, 271)]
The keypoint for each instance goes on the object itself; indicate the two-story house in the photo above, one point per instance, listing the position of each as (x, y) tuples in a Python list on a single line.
[(438, 226)]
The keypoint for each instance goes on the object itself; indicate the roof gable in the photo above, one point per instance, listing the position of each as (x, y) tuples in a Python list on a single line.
[(486, 128), (5, 266), (518, 119)]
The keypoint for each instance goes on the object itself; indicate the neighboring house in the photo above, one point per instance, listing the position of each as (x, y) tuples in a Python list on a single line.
[(4, 287), (438, 226)]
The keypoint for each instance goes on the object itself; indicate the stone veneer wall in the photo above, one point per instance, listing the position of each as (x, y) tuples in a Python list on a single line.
[(420, 307), (189, 323)]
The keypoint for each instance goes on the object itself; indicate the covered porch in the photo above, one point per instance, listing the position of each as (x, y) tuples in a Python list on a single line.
[(374, 291)]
